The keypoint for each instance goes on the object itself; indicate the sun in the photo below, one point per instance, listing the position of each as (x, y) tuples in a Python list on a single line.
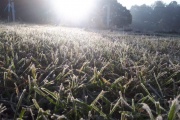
[(73, 10)]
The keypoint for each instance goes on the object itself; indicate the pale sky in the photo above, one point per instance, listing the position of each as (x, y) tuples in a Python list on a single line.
[(129, 3)]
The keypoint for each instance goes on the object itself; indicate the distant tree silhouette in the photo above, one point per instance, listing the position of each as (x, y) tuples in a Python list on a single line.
[(31, 10), (119, 15), (3, 5), (158, 17), (142, 17)]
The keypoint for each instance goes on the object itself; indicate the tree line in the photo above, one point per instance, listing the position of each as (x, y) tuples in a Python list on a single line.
[(159, 17), (39, 11)]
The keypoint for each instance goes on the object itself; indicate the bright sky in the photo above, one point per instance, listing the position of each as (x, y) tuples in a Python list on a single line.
[(129, 3)]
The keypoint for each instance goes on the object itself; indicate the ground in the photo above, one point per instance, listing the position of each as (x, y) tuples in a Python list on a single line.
[(53, 72)]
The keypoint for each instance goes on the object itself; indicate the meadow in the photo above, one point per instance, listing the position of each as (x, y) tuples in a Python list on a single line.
[(59, 73)]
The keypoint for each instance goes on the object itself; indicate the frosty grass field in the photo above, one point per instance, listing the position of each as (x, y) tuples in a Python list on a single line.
[(52, 72)]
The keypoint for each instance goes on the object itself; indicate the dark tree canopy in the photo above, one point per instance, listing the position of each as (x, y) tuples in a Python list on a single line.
[(120, 15), (158, 17)]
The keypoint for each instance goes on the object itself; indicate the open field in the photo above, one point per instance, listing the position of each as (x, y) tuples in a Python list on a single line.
[(50, 72)]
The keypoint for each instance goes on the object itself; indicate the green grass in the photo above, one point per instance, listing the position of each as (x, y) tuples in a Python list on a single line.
[(49, 72)]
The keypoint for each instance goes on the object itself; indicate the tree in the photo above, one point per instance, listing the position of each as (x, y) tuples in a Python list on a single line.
[(172, 16), (3, 5), (173, 4), (119, 15), (142, 17), (158, 17), (31, 11)]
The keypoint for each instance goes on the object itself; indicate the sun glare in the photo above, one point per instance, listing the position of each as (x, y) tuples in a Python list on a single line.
[(73, 10)]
